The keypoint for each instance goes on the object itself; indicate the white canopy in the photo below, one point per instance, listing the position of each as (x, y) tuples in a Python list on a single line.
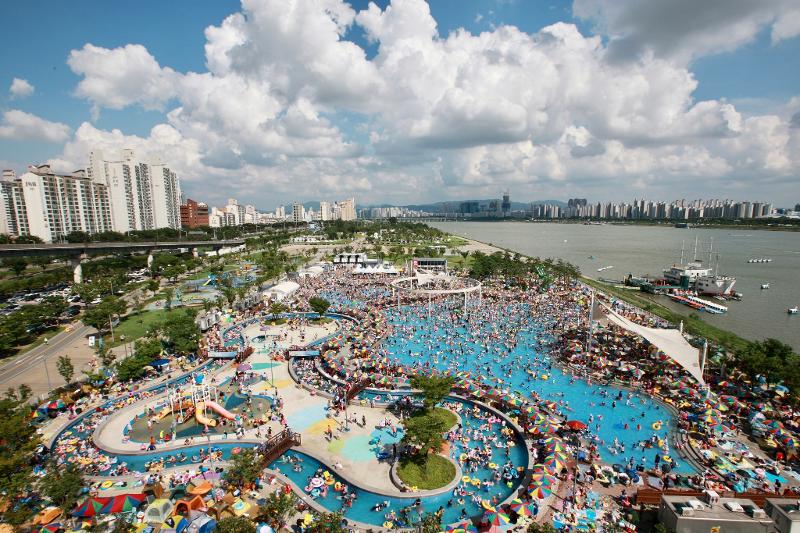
[(281, 291), (669, 341)]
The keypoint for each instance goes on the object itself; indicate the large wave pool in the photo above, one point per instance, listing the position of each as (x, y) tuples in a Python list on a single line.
[(513, 355)]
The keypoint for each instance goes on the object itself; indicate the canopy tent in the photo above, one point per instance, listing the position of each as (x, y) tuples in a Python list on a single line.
[(669, 341), (281, 291)]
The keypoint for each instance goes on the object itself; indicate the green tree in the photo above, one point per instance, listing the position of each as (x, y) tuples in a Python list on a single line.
[(16, 264), (65, 368), (63, 486), (277, 509), (536, 527), (101, 315), (168, 293), (433, 388), (242, 469), (105, 355), (149, 347), (431, 523), (319, 305), (236, 524), (18, 440), (181, 332), (425, 432), (328, 523), (276, 308)]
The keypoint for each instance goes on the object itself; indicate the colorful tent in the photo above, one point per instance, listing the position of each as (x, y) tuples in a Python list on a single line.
[(123, 503), (462, 527), (90, 507)]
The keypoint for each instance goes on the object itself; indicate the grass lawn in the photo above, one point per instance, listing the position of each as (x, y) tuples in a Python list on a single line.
[(135, 326), (445, 415), (426, 472)]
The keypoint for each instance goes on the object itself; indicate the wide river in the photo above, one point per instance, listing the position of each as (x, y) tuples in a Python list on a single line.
[(650, 249)]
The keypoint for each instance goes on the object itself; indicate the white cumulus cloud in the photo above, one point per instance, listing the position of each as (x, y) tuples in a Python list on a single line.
[(289, 107), (20, 88), (19, 125)]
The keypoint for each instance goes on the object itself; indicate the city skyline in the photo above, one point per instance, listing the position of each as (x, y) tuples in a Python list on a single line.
[(407, 102)]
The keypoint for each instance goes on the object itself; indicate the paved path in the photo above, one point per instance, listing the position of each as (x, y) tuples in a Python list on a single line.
[(29, 367)]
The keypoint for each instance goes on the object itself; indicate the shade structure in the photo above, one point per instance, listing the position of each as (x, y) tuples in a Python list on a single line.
[(496, 519), (462, 527), (669, 341), (576, 425), (540, 492), (543, 479), (522, 508), (90, 507), (123, 503)]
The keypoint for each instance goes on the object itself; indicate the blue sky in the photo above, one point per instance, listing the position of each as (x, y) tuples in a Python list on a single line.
[(758, 76)]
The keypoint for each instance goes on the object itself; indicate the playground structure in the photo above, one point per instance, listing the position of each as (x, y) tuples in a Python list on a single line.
[(201, 398)]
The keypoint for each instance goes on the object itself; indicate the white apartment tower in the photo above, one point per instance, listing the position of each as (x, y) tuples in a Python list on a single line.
[(143, 195), (346, 209), (59, 204)]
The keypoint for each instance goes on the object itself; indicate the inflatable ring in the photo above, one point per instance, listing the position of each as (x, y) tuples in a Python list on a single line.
[(107, 484), (315, 493), (492, 466), (337, 487), (510, 484), (236, 451), (667, 459), (657, 425), (363, 403), (388, 525), (545, 377), (476, 482), (462, 458), (511, 444), (329, 480), (466, 479)]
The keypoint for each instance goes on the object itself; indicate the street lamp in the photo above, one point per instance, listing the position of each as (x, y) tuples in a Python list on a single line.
[(124, 344)]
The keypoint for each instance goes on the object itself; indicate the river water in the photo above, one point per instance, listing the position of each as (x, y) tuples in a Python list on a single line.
[(650, 249)]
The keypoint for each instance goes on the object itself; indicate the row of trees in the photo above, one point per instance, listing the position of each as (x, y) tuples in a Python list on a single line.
[(773, 360), (517, 266)]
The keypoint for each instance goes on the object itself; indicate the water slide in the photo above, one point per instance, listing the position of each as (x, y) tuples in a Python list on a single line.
[(167, 410), (214, 406)]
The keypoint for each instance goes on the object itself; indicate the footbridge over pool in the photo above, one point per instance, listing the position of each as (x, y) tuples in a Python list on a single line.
[(78, 252)]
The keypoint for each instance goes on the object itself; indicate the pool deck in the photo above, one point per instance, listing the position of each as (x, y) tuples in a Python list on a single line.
[(352, 451)]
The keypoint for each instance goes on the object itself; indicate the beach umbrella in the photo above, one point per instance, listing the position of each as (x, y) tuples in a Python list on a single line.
[(576, 425), (543, 479), (90, 507), (540, 492), (773, 424), (522, 508), (57, 404), (555, 464), (123, 503), (244, 367), (462, 527), (496, 518)]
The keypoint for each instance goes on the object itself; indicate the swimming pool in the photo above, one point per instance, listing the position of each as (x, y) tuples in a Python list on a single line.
[(515, 358), (362, 509)]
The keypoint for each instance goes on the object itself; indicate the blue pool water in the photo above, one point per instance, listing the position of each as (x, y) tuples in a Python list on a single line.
[(366, 500), (513, 357)]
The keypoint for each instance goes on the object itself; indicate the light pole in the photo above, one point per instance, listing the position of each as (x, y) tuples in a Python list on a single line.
[(124, 344), (46, 371)]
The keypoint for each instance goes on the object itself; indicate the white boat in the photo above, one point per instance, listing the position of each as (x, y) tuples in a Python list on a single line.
[(605, 268), (765, 285), (760, 260), (694, 274), (793, 310)]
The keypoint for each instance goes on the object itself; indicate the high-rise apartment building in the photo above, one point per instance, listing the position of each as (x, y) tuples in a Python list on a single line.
[(345, 210), (13, 215), (52, 205), (298, 213), (143, 195), (194, 214), (325, 211)]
